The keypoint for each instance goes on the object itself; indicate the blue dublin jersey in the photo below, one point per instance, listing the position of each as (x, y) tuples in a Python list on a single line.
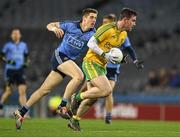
[(74, 40), (126, 44), (16, 53)]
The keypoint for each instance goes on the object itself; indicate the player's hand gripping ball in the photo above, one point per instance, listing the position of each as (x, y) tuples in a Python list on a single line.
[(117, 55)]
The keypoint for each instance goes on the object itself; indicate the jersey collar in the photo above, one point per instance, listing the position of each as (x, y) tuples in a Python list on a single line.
[(78, 26)]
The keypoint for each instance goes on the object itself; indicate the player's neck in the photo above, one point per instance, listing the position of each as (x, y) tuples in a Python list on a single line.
[(120, 25), (84, 27), (17, 41)]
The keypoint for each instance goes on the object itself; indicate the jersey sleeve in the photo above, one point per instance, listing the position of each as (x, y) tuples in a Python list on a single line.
[(128, 47), (5, 48), (65, 25), (127, 42), (103, 32), (26, 51)]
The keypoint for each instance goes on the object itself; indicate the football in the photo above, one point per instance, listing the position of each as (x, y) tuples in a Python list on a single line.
[(117, 54)]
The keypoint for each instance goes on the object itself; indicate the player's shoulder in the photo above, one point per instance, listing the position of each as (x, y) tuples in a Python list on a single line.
[(70, 22), (9, 43), (23, 43), (112, 24), (124, 33), (107, 27)]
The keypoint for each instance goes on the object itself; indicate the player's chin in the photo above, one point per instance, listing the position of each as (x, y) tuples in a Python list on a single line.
[(92, 25), (130, 29)]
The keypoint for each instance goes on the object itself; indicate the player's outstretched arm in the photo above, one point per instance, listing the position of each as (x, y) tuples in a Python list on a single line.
[(130, 50), (55, 27)]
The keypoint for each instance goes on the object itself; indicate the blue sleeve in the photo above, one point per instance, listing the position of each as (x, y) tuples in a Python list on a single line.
[(26, 49), (127, 42), (128, 47), (132, 53), (65, 25), (5, 48)]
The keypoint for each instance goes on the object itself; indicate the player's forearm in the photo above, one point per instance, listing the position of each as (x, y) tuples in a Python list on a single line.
[(52, 26), (26, 59), (93, 45)]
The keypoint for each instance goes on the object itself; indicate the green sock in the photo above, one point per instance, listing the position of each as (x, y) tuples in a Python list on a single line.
[(78, 97)]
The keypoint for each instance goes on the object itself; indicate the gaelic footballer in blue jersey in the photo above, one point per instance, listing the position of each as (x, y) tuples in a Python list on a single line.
[(15, 56), (75, 35)]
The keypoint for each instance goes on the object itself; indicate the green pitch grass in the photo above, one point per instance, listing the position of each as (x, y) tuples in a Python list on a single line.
[(90, 128)]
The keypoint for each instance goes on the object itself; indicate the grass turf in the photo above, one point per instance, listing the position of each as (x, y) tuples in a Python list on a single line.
[(90, 128)]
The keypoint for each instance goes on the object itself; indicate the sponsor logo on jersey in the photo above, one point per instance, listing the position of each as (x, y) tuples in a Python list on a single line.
[(74, 42)]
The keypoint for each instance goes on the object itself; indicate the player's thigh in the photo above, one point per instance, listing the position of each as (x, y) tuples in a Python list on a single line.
[(22, 88), (10, 78), (70, 68), (102, 83), (21, 78), (92, 70), (52, 80)]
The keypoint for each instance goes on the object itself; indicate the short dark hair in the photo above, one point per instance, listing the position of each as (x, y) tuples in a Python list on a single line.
[(86, 11), (111, 17), (127, 12)]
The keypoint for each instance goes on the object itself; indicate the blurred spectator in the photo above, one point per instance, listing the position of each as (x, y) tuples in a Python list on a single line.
[(174, 78), (153, 80), (163, 78)]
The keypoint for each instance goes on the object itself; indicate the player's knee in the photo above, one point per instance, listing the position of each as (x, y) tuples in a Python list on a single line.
[(22, 93), (8, 92), (107, 91), (79, 78)]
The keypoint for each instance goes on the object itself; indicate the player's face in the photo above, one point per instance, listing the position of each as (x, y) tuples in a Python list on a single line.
[(90, 20), (130, 23), (16, 35)]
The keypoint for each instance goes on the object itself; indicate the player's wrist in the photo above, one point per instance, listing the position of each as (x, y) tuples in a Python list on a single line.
[(103, 54), (135, 61)]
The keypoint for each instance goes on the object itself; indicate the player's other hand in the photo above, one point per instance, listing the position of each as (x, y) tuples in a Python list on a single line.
[(139, 64), (25, 65), (58, 32), (11, 62), (125, 59), (110, 58)]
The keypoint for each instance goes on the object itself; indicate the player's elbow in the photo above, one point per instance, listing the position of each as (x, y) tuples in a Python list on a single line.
[(91, 43), (48, 26)]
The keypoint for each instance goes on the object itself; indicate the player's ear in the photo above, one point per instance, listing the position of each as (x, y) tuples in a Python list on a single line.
[(84, 17), (125, 19)]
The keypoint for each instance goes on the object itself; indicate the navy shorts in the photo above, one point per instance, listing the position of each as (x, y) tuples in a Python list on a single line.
[(112, 74), (15, 76), (57, 59)]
